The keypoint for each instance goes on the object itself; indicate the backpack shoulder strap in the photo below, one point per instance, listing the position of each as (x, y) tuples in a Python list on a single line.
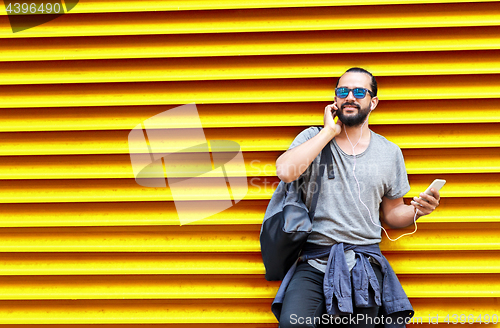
[(325, 162)]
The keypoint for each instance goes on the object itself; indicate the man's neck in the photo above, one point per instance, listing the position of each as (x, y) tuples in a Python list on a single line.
[(359, 137)]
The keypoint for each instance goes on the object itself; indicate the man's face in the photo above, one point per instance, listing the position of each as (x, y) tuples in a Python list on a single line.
[(352, 111)]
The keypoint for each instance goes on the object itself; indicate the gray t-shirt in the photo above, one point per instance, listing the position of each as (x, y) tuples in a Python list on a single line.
[(340, 215)]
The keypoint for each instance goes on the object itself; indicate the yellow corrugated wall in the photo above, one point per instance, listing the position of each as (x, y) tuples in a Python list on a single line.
[(82, 243)]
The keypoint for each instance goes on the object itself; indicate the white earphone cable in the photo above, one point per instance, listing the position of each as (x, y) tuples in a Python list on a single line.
[(359, 188)]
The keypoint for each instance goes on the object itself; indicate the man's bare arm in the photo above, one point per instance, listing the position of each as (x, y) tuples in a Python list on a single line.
[(399, 215), (292, 163)]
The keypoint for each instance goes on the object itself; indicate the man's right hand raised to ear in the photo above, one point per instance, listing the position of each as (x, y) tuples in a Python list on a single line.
[(328, 120), (292, 163)]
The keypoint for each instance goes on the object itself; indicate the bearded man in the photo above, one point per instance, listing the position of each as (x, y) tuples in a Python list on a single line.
[(342, 278)]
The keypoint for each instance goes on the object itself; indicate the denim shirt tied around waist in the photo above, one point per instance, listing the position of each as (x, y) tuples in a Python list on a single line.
[(397, 309)]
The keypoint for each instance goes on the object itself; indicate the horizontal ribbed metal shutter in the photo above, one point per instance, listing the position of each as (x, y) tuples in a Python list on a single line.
[(81, 243)]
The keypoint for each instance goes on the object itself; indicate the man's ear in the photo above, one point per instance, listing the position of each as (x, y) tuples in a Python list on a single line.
[(374, 103)]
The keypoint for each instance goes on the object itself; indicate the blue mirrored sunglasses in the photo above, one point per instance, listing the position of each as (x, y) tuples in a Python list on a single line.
[(358, 93)]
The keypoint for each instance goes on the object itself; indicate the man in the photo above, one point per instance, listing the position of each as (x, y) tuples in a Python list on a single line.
[(369, 175)]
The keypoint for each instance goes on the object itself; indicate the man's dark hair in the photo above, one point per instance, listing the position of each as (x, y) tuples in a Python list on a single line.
[(373, 84)]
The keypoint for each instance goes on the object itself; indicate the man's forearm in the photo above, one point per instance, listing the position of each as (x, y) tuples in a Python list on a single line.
[(401, 216), (291, 164)]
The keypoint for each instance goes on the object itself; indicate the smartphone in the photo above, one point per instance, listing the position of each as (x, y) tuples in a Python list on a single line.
[(436, 184)]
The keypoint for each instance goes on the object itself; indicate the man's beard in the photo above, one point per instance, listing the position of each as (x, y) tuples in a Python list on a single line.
[(356, 119)]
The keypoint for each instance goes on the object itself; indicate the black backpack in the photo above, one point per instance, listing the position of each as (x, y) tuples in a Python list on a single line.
[(288, 223)]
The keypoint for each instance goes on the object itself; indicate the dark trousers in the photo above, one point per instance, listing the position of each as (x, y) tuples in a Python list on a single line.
[(304, 303)]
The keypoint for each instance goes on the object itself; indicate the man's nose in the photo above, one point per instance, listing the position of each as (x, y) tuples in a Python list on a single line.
[(350, 96)]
